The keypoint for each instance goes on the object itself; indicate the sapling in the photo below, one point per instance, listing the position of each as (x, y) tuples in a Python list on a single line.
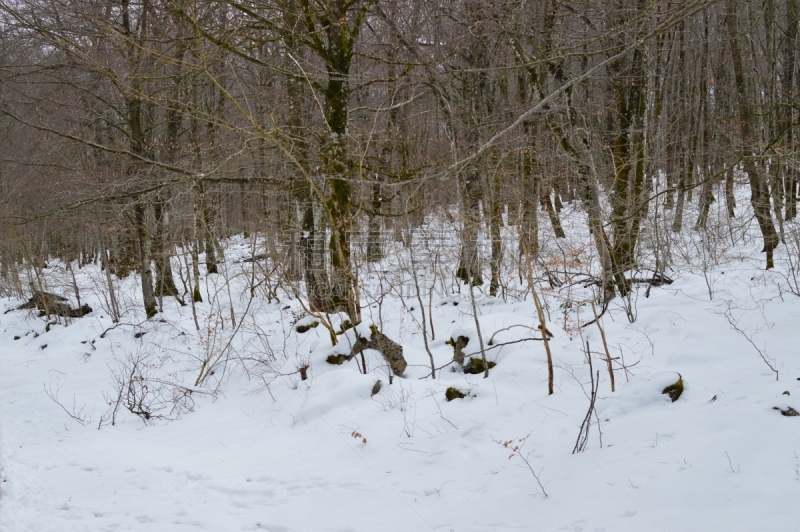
[(528, 270), (583, 433), (605, 347), (419, 296), (515, 446)]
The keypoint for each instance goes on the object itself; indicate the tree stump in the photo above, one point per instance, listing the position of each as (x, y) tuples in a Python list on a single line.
[(458, 348)]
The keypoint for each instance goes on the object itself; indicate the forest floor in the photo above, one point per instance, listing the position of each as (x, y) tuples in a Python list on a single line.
[(254, 447)]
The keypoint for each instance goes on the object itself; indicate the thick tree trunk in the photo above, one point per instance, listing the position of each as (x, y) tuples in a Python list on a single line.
[(374, 241), (390, 153), (759, 193), (337, 166), (144, 247), (730, 199), (529, 224), (706, 199), (469, 266), (476, 98), (309, 232), (165, 283), (611, 278), (196, 295), (313, 259), (629, 89), (162, 245), (707, 190), (552, 213), (291, 236), (789, 97), (204, 222), (682, 184)]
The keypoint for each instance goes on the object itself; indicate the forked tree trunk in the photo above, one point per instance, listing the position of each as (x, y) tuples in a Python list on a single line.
[(552, 212), (588, 180)]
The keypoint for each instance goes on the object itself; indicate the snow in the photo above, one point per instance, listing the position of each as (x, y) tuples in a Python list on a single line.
[(261, 449)]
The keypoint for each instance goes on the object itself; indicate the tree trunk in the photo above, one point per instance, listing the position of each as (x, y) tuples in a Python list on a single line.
[(552, 213), (165, 282), (475, 97), (374, 242), (789, 97), (143, 240), (336, 163), (629, 90), (730, 199), (469, 266), (204, 219), (759, 194), (529, 224), (495, 222)]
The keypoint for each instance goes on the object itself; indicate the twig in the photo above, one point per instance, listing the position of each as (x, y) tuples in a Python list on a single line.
[(491, 340), (605, 347), (440, 411), (534, 473), (78, 415), (735, 325), (730, 464), (516, 451), (495, 346)]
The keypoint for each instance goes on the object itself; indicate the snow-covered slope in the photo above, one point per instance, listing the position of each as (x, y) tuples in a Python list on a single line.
[(256, 448)]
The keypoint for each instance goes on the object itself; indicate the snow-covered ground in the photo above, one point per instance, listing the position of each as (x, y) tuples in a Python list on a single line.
[(256, 448)]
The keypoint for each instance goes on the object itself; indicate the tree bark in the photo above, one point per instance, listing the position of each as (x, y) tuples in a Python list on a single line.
[(143, 240), (759, 194)]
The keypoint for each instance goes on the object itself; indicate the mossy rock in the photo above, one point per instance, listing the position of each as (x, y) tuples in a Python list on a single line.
[(788, 411), (475, 366), (336, 360), (453, 393), (305, 328), (674, 390), (346, 324)]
